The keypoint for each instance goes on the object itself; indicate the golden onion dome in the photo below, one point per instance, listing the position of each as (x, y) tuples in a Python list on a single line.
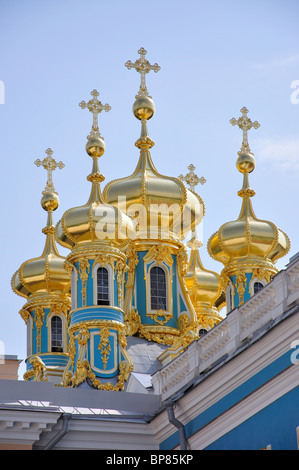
[(161, 205), (45, 274), (247, 237), (94, 222)]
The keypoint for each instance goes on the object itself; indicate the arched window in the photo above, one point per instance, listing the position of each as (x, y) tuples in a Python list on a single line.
[(257, 287), (158, 289), (202, 332), (102, 286), (56, 334)]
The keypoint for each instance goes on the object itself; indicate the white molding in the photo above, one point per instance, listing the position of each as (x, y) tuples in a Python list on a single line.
[(110, 283), (245, 409), (24, 427), (253, 281), (148, 266), (223, 380), (64, 330), (74, 288)]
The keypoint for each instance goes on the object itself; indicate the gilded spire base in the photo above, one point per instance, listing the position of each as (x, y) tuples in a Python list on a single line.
[(144, 143), (95, 177), (246, 193), (49, 230)]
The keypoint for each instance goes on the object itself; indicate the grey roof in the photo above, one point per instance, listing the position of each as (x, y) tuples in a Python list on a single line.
[(144, 354)]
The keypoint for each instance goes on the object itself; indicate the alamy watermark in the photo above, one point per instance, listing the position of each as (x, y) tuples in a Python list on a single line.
[(295, 94), (295, 353), (150, 222)]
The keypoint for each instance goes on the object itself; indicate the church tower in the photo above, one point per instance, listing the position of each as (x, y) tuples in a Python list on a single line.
[(204, 286), (45, 283), (157, 303), (247, 247), (95, 233)]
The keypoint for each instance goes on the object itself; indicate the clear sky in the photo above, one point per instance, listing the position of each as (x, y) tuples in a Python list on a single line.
[(215, 58)]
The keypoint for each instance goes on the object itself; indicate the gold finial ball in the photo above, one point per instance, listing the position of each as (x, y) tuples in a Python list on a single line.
[(144, 108), (49, 201), (95, 147), (245, 162)]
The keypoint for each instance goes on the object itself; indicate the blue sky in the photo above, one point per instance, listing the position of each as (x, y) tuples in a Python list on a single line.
[(215, 58)]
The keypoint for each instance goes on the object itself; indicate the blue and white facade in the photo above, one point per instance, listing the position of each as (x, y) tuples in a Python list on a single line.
[(235, 388)]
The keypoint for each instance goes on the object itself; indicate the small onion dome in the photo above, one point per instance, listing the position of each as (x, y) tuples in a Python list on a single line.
[(45, 274), (95, 221), (204, 286), (162, 205), (248, 238)]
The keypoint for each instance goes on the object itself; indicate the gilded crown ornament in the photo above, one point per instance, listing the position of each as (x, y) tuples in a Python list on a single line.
[(50, 165)]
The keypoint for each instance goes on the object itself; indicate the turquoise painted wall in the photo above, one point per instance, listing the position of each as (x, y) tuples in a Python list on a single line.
[(275, 424), (247, 291), (44, 334), (90, 287)]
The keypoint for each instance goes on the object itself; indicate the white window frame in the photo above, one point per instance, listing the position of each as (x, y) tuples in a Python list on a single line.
[(230, 304), (64, 332), (110, 284), (168, 275), (253, 281), (74, 288)]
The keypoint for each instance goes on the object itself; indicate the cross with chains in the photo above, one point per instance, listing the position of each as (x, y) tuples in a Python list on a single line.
[(245, 123), (142, 66), (50, 165), (95, 107)]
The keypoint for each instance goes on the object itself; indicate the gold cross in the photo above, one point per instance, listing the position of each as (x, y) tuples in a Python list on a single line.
[(244, 123), (142, 66), (95, 107), (191, 178), (50, 165)]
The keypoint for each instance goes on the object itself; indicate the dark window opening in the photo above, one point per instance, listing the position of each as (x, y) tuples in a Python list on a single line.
[(158, 289), (56, 334), (202, 332), (257, 287), (102, 286)]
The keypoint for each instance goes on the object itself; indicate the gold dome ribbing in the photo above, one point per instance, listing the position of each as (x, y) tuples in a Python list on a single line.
[(95, 222), (45, 274), (164, 207), (248, 242)]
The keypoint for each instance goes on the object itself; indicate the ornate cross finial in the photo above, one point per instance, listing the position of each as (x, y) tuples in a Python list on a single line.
[(95, 107), (244, 123), (191, 178), (142, 66), (50, 165)]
